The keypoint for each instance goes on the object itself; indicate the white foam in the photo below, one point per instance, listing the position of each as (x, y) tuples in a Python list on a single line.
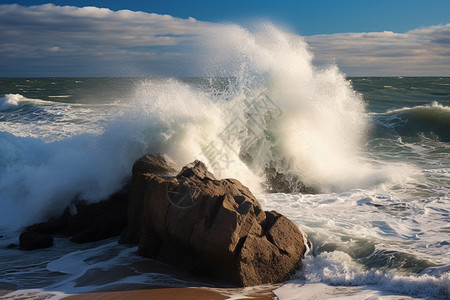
[(10, 101), (307, 291), (38, 179), (111, 257), (60, 96), (362, 221), (433, 107), (369, 244), (35, 294), (337, 268)]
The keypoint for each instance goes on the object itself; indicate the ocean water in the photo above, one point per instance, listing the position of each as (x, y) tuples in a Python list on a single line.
[(375, 151)]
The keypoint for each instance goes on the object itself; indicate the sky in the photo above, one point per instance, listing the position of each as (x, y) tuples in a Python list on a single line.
[(145, 38)]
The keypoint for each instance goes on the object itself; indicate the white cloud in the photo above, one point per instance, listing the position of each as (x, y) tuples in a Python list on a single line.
[(49, 40), (48, 36), (423, 51)]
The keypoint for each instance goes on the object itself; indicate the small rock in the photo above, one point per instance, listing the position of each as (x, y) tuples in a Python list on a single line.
[(33, 240), (87, 222), (52, 226), (101, 220)]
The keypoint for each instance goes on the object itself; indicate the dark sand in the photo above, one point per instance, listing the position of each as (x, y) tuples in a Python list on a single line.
[(166, 293), (190, 287), (257, 293), (178, 293)]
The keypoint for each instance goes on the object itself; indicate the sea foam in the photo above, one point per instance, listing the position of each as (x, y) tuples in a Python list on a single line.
[(337, 268), (10, 101)]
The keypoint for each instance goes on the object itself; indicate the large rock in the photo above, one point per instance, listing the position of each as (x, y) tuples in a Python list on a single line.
[(33, 240), (211, 227), (150, 164)]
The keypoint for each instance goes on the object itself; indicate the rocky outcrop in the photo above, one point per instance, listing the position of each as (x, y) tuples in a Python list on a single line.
[(209, 226), (190, 220), (33, 240), (83, 222)]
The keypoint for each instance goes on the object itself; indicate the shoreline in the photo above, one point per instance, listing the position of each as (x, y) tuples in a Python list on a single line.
[(159, 293), (186, 293)]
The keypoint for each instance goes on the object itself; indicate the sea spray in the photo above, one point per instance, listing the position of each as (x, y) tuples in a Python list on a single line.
[(186, 122), (317, 126), (40, 179), (273, 112)]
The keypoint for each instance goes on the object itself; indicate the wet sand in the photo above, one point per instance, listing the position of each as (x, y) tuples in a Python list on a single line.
[(187, 286), (185, 293), (166, 293)]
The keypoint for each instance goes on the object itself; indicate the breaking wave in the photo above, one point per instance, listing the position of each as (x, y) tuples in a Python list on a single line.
[(266, 116)]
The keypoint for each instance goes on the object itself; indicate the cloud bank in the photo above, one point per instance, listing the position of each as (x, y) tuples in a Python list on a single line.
[(419, 52), (49, 40), (92, 41)]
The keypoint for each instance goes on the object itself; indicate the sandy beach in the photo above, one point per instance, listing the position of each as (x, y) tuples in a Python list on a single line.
[(169, 293), (186, 293)]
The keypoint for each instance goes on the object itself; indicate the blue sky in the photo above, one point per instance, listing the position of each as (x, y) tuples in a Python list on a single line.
[(374, 38), (305, 17)]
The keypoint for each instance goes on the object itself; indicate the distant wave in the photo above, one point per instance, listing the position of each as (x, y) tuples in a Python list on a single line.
[(60, 96), (431, 119), (11, 101), (424, 110)]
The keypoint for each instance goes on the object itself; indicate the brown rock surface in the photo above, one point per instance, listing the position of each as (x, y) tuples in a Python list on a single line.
[(150, 164), (210, 226)]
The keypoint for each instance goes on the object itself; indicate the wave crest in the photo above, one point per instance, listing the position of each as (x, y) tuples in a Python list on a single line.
[(10, 101), (431, 120)]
